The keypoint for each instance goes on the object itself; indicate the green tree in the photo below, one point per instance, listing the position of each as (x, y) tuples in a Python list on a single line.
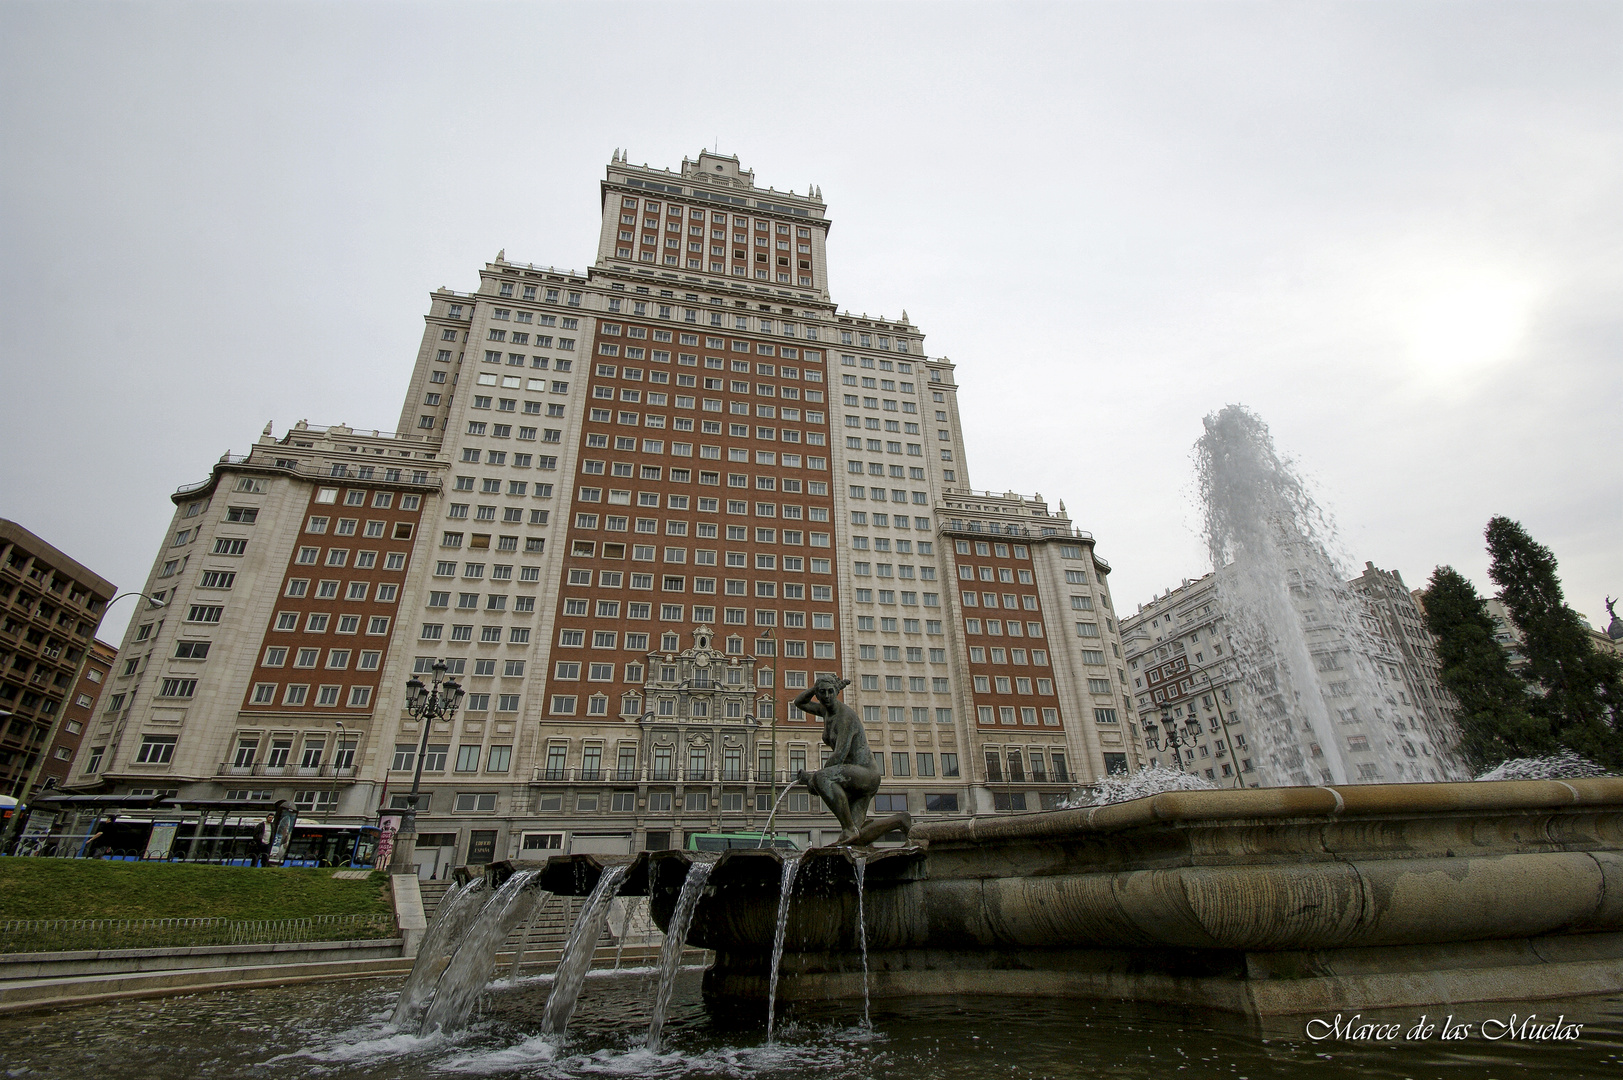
[(1495, 718), (1581, 689)]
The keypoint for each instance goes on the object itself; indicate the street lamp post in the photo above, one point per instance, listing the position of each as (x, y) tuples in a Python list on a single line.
[(426, 703), (772, 701), (1175, 739), (337, 750)]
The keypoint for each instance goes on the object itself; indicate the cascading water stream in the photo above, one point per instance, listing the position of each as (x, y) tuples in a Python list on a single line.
[(577, 955), (1310, 665), (444, 934), (766, 831), (524, 936), (469, 971), (862, 935), (670, 953), (630, 913), (786, 884)]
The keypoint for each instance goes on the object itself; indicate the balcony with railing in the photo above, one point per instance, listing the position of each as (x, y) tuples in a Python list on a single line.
[(329, 772)]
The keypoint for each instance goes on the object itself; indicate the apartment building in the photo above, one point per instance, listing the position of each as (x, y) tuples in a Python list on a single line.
[(78, 711), (50, 607), (1236, 729), (635, 511)]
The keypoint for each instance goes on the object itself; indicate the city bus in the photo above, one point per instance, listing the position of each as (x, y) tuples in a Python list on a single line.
[(128, 839), (727, 841)]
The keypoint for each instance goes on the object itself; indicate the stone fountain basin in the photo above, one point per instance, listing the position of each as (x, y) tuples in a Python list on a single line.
[(1270, 900)]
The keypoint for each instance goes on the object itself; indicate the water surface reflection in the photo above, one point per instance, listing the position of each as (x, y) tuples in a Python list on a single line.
[(341, 1030)]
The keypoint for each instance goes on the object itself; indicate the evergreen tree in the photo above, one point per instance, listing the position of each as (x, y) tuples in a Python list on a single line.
[(1495, 720), (1581, 688)]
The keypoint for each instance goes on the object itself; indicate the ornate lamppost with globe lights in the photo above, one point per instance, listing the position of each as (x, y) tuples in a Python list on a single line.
[(1175, 739), (426, 703)]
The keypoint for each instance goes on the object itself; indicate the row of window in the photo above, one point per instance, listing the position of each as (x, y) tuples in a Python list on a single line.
[(331, 589), (683, 401), (533, 545), (510, 515), (532, 317), (997, 627), (471, 455), (716, 363), (492, 485), (498, 572), (296, 694), (989, 715), (994, 573), (865, 623), (497, 759), (321, 623), (783, 277), (337, 659), (1004, 684), (706, 585), (488, 635), (508, 405), (1010, 600), (878, 494), (790, 413), (515, 382), (741, 455), (537, 363), (364, 560), (470, 602), (874, 423), (459, 666), (505, 431), (737, 431), (978, 655), (889, 596), (917, 684), (1019, 758)]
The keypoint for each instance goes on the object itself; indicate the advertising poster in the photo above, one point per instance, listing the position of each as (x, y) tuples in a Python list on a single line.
[(388, 826), (161, 840), (285, 816)]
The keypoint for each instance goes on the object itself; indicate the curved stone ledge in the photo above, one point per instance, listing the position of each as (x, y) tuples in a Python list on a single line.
[(1204, 896)]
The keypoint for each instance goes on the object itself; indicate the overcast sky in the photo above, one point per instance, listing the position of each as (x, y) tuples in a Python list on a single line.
[(1392, 230)]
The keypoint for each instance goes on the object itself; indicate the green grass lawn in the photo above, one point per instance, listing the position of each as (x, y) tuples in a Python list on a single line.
[(93, 889)]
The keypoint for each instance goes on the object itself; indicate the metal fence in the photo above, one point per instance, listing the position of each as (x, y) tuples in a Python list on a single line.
[(53, 935)]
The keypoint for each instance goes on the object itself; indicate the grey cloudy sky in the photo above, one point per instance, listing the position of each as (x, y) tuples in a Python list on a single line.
[(1393, 230)]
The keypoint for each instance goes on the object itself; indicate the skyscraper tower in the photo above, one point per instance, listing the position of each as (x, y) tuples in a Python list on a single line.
[(635, 511)]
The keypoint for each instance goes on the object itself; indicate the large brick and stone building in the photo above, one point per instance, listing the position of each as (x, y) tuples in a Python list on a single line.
[(50, 607), (636, 510)]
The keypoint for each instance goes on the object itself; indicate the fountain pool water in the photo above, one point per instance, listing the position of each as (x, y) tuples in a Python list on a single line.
[(340, 1031)]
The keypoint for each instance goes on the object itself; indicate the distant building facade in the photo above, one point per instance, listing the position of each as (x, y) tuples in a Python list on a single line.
[(50, 607), (1185, 678), (77, 713)]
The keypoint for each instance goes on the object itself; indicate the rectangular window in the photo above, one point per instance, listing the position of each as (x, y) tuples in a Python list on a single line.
[(156, 750)]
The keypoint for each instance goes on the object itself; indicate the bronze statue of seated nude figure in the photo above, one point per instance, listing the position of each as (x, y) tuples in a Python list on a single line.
[(848, 780)]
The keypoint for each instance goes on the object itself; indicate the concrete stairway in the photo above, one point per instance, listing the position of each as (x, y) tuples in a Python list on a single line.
[(543, 940)]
